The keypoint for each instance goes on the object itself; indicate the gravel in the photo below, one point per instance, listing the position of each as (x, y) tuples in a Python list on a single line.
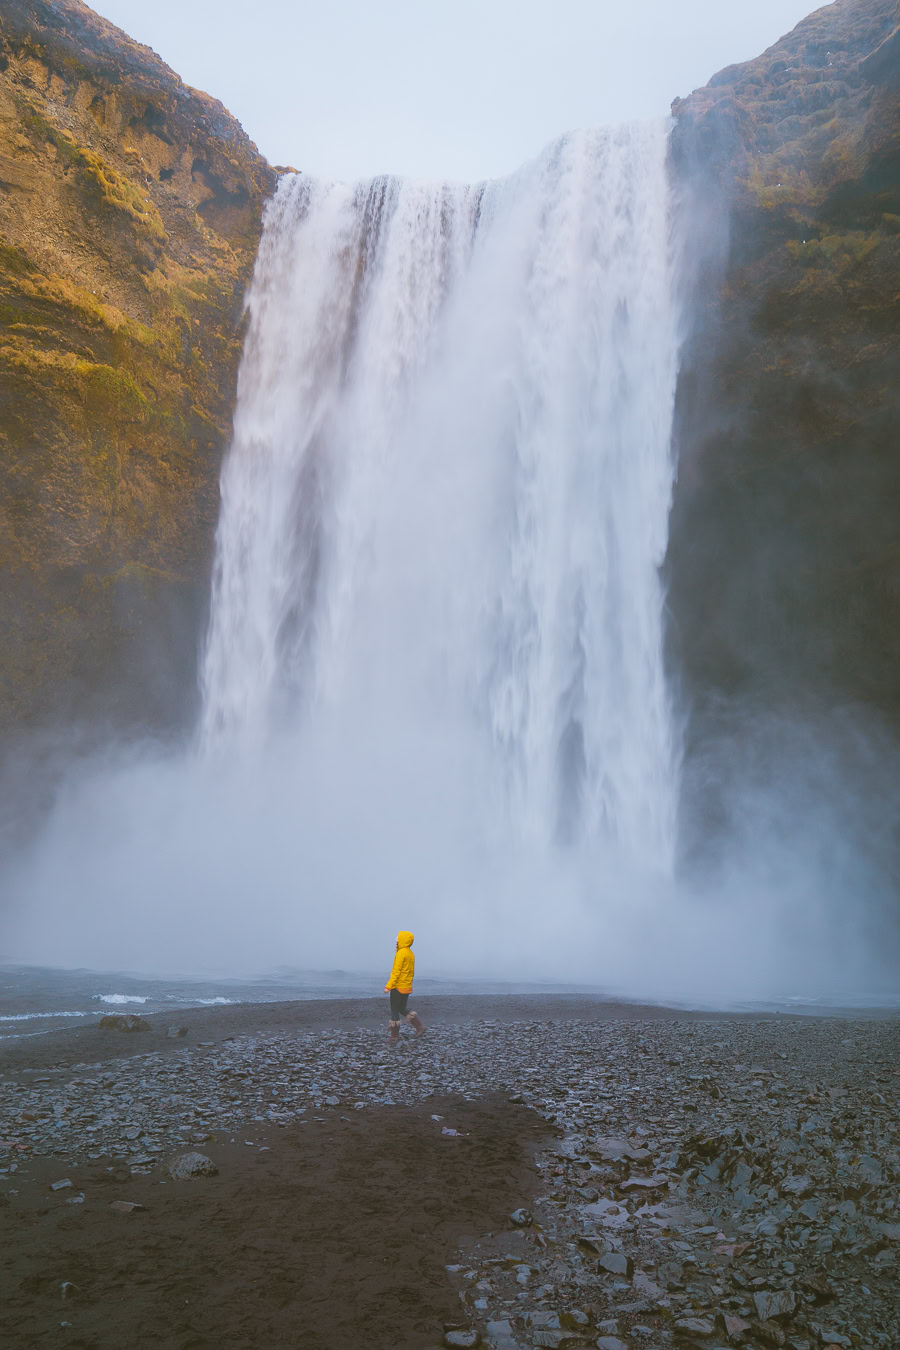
[(712, 1182)]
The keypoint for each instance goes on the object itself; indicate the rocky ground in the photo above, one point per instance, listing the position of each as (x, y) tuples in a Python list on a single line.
[(698, 1181)]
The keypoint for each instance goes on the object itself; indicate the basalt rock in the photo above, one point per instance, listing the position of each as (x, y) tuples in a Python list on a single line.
[(189, 1166), (784, 558), (130, 211)]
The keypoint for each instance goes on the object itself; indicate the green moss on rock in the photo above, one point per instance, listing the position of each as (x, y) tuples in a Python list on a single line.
[(120, 336)]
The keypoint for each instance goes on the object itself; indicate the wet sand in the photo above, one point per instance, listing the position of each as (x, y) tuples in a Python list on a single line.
[(334, 1234)]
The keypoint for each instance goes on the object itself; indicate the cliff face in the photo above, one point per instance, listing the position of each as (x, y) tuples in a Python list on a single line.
[(784, 560), (130, 210)]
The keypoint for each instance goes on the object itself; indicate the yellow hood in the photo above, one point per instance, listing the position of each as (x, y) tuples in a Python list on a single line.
[(403, 969)]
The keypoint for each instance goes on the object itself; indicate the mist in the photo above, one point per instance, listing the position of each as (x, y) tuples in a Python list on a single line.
[(313, 859)]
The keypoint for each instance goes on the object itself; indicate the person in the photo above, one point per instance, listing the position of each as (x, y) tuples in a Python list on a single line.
[(399, 986)]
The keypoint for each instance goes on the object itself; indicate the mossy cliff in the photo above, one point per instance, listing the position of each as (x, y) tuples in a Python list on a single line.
[(130, 211), (784, 560)]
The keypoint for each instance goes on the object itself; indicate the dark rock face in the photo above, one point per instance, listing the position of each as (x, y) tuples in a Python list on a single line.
[(130, 211), (784, 563)]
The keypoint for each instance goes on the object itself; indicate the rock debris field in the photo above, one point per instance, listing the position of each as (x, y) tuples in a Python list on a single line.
[(621, 1182)]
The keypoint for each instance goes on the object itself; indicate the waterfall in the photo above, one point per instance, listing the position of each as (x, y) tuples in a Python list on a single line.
[(433, 684), (446, 503)]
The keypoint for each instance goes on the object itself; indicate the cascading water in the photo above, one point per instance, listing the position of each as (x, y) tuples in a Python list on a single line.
[(446, 506)]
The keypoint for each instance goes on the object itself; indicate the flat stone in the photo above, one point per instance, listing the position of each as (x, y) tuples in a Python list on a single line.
[(616, 1263), (649, 1288), (63, 1185), (770, 1333), (610, 1343), (798, 1186), (773, 1305), (643, 1184), (818, 1286), (465, 1339), (694, 1326), (610, 1149), (870, 1169), (500, 1334), (736, 1328), (126, 1206)]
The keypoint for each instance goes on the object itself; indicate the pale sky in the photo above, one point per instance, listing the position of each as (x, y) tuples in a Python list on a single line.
[(460, 89)]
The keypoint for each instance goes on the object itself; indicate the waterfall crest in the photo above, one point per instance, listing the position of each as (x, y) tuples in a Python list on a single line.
[(447, 498)]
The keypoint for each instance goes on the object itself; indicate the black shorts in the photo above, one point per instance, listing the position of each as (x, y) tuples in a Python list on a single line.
[(398, 1004)]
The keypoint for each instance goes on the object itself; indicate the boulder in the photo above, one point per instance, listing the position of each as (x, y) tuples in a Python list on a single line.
[(124, 1022), (189, 1166)]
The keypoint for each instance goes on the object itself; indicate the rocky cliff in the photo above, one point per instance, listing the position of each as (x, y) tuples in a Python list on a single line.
[(130, 210), (784, 560)]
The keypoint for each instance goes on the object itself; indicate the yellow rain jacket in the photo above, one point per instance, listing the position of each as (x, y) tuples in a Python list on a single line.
[(401, 976)]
